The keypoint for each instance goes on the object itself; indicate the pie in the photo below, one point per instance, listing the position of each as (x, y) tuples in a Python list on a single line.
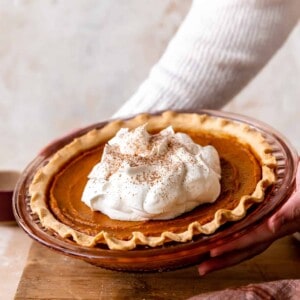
[(247, 172)]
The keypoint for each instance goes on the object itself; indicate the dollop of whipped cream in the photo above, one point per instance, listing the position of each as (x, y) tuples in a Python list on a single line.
[(161, 176)]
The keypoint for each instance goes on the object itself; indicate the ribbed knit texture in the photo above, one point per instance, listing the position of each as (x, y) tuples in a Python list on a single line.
[(218, 49)]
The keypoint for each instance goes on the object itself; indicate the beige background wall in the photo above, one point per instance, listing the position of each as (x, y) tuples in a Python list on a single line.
[(67, 64)]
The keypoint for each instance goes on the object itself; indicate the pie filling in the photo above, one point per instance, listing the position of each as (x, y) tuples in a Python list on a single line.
[(240, 172)]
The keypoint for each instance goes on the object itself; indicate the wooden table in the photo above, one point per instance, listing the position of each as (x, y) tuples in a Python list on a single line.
[(49, 275)]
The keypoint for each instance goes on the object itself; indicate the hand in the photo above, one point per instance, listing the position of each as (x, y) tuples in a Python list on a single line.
[(285, 221)]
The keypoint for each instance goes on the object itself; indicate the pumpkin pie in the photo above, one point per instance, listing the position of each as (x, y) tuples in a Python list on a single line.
[(247, 171)]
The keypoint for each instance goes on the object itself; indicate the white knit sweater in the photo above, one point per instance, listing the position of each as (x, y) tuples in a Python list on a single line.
[(218, 49)]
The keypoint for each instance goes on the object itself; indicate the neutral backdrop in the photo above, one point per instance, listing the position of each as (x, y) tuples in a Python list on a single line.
[(68, 64)]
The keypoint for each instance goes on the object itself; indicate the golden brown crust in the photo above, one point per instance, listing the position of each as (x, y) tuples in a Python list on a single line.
[(193, 122)]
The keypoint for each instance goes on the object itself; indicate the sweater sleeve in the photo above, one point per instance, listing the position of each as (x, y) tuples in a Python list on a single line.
[(217, 50)]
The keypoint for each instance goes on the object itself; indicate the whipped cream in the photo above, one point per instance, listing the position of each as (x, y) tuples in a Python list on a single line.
[(161, 176)]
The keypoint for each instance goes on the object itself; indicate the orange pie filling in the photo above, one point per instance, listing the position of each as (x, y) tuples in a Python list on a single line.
[(243, 182)]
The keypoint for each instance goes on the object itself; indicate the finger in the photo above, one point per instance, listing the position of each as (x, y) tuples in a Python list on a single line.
[(231, 258), (260, 234), (289, 214), (287, 219)]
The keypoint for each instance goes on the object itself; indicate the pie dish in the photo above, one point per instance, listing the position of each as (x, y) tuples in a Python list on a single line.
[(56, 227), (247, 167)]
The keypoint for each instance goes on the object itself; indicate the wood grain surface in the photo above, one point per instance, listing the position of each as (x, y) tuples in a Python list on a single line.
[(50, 275)]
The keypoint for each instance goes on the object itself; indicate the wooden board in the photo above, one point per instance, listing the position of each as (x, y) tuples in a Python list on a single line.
[(50, 275)]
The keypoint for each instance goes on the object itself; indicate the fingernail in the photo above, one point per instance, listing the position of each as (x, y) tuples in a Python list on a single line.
[(275, 223), (201, 271)]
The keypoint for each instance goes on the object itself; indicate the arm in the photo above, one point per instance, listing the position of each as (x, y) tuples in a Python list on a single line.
[(218, 49)]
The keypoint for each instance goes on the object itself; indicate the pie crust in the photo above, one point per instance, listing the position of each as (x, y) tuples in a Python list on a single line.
[(246, 136)]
